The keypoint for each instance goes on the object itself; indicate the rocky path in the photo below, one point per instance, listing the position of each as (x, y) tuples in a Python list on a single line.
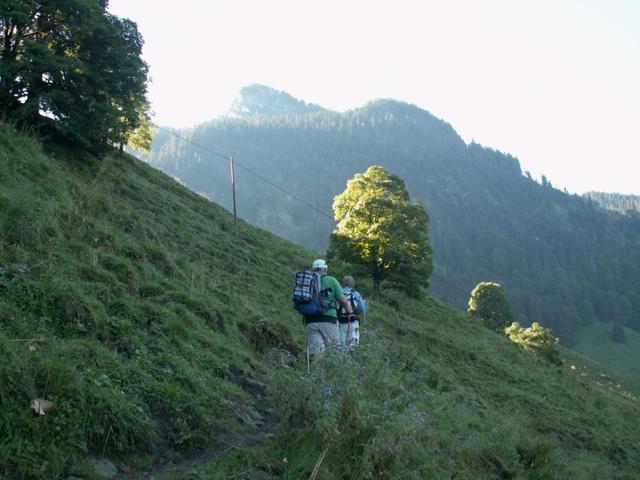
[(259, 417)]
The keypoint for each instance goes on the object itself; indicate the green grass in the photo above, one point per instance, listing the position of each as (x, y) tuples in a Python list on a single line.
[(141, 316), (595, 342), (138, 304)]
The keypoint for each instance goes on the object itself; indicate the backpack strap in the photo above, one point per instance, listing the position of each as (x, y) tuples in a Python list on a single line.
[(319, 279)]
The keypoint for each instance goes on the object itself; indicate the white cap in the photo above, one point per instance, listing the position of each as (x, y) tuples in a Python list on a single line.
[(318, 264)]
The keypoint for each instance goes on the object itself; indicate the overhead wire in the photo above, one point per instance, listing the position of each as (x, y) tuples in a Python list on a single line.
[(278, 187), (256, 174), (210, 150)]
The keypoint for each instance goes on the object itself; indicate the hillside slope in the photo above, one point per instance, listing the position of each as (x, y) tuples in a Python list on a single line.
[(563, 261), (622, 357), (128, 302)]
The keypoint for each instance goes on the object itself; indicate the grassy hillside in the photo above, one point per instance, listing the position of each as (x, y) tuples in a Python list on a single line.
[(569, 264), (166, 344), (595, 342)]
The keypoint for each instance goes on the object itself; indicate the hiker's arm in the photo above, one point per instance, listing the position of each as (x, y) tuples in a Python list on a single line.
[(345, 303)]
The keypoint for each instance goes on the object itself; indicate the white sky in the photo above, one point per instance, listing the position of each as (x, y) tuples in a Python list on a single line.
[(555, 83)]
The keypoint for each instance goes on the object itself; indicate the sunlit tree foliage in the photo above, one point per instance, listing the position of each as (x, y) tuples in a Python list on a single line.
[(141, 137), (489, 303), (535, 339), (380, 229)]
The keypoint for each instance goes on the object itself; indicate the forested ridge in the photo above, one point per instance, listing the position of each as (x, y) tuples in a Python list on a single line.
[(629, 204), (563, 260)]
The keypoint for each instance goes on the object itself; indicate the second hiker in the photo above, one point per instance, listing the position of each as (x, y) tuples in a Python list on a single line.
[(349, 323)]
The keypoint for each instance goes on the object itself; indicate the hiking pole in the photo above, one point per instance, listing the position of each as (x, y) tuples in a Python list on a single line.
[(364, 323), (308, 356)]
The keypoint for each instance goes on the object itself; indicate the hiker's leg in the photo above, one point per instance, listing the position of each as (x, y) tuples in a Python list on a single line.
[(330, 334), (343, 328), (316, 339), (354, 341)]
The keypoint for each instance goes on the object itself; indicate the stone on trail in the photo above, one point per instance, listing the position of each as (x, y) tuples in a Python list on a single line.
[(105, 469)]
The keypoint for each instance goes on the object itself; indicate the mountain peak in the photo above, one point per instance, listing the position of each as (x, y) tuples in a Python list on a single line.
[(256, 100), (390, 105)]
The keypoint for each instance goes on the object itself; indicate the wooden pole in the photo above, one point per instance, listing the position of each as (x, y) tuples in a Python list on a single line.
[(233, 188)]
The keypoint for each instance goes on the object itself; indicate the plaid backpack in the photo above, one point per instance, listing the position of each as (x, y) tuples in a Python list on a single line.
[(308, 297)]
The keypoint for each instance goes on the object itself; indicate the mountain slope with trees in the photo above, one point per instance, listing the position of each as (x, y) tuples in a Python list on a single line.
[(562, 260), (154, 338), (629, 204)]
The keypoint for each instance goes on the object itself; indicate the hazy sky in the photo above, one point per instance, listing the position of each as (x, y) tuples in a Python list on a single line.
[(555, 83)]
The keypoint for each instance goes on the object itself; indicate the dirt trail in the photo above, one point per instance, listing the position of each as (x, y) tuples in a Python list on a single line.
[(260, 418)]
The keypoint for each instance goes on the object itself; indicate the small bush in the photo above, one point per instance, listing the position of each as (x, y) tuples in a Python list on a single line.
[(535, 339)]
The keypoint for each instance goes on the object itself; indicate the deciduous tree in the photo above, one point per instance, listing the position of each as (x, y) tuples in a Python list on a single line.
[(617, 332), (72, 62), (489, 303), (381, 230)]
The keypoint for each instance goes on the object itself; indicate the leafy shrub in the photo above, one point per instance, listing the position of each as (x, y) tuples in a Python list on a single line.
[(536, 339)]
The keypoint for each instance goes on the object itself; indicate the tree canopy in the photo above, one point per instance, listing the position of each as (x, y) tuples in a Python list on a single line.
[(489, 303), (73, 63), (381, 230), (617, 332)]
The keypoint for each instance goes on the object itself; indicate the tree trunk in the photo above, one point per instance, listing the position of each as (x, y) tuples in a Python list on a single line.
[(376, 273)]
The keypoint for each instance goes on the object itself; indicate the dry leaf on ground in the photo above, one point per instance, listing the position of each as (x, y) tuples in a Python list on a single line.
[(41, 406)]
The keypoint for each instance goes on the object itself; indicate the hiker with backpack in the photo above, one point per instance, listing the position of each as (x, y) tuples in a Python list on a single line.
[(349, 324), (316, 295)]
